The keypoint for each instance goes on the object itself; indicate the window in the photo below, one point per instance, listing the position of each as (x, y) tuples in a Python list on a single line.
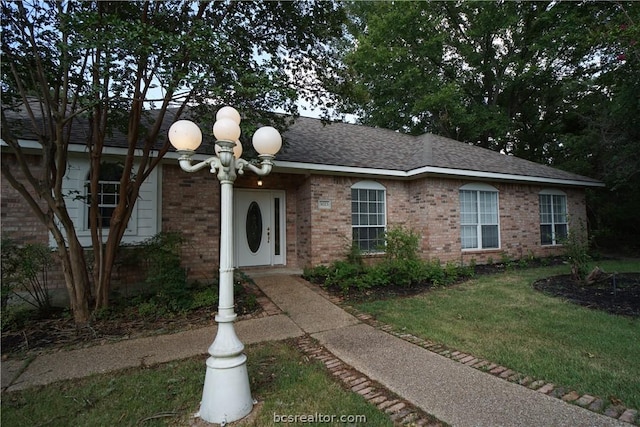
[(108, 192), (368, 215), (479, 227), (553, 217)]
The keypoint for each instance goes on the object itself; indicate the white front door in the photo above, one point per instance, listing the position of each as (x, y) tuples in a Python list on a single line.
[(259, 227)]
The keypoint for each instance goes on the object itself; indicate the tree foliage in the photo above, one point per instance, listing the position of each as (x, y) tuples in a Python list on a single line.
[(552, 82), (82, 71)]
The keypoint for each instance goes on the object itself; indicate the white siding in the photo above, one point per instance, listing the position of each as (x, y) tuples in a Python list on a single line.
[(144, 221)]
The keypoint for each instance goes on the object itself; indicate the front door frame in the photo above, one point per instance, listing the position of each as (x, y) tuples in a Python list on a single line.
[(275, 257)]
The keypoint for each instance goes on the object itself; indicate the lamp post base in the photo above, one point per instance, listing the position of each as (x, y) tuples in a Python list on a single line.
[(226, 396)]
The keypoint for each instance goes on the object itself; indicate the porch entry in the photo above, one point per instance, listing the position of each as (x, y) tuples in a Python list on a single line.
[(259, 227)]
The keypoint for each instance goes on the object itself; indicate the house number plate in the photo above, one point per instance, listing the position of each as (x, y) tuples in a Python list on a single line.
[(324, 204)]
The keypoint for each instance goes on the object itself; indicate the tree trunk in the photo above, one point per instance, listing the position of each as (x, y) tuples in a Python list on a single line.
[(103, 284), (76, 277), (81, 295)]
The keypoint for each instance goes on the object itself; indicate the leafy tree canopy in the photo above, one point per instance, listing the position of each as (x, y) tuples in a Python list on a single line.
[(552, 82), (78, 71)]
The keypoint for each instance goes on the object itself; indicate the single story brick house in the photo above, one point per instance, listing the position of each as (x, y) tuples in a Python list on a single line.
[(337, 183)]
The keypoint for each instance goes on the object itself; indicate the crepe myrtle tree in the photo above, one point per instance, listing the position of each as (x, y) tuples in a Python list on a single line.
[(100, 68)]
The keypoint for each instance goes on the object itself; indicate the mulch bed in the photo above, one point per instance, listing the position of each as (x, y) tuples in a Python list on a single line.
[(58, 331), (619, 294)]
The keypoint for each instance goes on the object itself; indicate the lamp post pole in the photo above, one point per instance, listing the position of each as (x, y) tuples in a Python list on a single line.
[(226, 396)]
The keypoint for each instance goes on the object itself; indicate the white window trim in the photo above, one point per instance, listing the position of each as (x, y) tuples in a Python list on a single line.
[(553, 192), (480, 187), (82, 228), (372, 185)]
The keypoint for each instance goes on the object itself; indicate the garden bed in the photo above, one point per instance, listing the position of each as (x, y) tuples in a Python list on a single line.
[(619, 294), (57, 330)]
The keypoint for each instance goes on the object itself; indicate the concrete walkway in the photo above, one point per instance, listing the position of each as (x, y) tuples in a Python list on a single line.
[(451, 391)]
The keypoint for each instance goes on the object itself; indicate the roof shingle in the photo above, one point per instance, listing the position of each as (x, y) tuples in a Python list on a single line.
[(344, 144)]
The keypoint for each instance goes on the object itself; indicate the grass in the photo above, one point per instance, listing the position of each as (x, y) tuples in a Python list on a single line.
[(169, 394), (503, 319)]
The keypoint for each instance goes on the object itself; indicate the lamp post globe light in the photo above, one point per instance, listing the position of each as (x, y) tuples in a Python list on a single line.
[(226, 396)]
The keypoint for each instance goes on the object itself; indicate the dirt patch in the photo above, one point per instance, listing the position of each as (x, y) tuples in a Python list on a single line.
[(619, 294)]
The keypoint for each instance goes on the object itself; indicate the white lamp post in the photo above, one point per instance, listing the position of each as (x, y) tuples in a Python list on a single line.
[(226, 396)]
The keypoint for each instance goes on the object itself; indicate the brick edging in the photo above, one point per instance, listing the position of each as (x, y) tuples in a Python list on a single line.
[(587, 401), (400, 411), (592, 403)]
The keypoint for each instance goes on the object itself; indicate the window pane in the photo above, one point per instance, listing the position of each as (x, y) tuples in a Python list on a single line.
[(468, 207), (488, 207), (490, 236), (546, 236), (559, 209), (276, 225), (561, 233), (469, 236), (545, 209), (105, 216)]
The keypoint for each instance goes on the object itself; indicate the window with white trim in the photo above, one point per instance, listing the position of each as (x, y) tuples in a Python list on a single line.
[(479, 219), (108, 192), (554, 226), (368, 215)]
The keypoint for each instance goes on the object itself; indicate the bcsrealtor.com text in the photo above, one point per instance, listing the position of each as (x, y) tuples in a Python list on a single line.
[(318, 418)]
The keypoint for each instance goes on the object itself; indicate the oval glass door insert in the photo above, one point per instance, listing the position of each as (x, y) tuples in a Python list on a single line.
[(254, 227)]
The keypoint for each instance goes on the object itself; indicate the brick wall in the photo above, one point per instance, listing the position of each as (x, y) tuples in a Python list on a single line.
[(191, 205), (18, 220), (316, 235), (437, 200), (430, 207)]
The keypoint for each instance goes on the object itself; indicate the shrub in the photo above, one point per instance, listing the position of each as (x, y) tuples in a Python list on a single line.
[(317, 275), (401, 244), (401, 267), (576, 250), (403, 272), (345, 276), (25, 273)]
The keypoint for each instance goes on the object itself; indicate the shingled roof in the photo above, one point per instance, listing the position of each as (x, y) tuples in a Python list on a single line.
[(348, 148), (313, 142)]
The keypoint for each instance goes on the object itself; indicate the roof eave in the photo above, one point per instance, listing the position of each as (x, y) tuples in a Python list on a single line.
[(299, 167)]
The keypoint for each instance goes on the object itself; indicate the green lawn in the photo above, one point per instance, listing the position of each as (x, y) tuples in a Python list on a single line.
[(168, 394), (503, 319)]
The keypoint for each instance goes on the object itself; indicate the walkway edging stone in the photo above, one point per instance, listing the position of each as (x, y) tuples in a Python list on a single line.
[(586, 401), (401, 412)]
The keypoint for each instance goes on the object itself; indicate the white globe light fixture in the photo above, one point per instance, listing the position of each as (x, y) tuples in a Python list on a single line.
[(226, 129), (228, 113), (226, 396), (267, 141), (185, 135)]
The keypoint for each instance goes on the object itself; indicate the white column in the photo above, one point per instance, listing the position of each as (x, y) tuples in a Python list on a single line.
[(226, 396)]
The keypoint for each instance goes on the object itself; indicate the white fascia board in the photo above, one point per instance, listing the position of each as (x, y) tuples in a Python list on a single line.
[(29, 144), (501, 176), (283, 166), (426, 170)]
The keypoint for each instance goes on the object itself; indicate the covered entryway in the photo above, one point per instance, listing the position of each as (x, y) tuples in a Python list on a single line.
[(259, 228)]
